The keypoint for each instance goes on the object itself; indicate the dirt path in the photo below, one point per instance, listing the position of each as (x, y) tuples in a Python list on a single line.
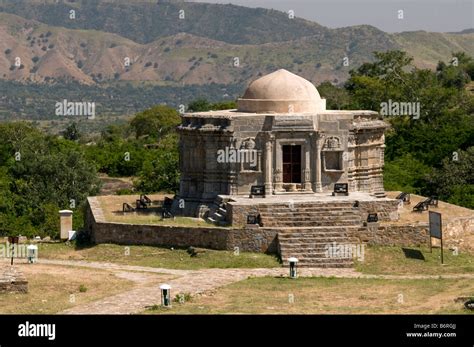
[(193, 282)]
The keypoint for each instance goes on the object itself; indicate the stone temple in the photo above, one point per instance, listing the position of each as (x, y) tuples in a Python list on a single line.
[(286, 141), (280, 174), (282, 141)]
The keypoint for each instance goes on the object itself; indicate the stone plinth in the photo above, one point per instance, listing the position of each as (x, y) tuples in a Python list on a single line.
[(66, 223), (12, 280)]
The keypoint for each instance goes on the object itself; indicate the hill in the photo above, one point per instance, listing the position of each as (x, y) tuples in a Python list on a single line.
[(216, 49)]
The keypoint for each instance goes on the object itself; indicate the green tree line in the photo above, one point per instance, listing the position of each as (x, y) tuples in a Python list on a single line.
[(431, 154)]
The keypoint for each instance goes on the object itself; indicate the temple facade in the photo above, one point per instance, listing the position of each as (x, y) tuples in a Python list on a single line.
[(282, 139)]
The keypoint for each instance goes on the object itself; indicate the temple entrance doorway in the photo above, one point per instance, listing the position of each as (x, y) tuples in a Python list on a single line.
[(291, 163)]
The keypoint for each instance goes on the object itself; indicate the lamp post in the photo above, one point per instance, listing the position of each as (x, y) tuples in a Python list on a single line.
[(293, 271)]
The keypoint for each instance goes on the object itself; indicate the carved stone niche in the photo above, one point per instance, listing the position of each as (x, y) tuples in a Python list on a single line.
[(332, 155), (248, 149)]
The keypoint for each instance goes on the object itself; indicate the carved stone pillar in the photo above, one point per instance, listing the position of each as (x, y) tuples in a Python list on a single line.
[(319, 142), (268, 165), (307, 168), (278, 168)]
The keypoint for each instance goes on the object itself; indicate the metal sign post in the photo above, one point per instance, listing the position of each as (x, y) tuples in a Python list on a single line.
[(436, 230), (13, 240)]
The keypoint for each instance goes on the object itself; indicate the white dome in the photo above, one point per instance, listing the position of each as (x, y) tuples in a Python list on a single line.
[(281, 92)]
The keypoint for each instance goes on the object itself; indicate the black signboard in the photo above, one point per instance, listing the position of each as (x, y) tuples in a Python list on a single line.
[(436, 229), (253, 219), (341, 188), (372, 218), (257, 190)]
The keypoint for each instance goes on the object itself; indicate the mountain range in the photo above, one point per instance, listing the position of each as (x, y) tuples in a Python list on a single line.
[(175, 43)]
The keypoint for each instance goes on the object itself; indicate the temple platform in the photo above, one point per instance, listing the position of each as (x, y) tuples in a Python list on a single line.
[(238, 211), (301, 198)]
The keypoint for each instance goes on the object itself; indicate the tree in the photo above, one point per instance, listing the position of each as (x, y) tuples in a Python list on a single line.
[(417, 143), (406, 174), (336, 98), (71, 132), (161, 173), (155, 122), (455, 179), (199, 105), (39, 175), (202, 105)]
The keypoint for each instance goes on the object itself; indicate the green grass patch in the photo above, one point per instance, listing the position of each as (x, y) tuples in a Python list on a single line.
[(394, 261), (158, 257), (319, 295)]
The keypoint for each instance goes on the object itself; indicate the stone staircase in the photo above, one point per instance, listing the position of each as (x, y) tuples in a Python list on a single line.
[(309, 231), (218, 214)]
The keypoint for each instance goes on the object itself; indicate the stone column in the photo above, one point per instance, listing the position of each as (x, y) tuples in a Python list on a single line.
[(268, 165), (319, 141), (65, 217), (307, 168), (278, 168)]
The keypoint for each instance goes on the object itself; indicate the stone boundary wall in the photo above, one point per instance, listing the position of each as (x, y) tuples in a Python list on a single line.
[(393, 234), (386, 209), (250, 240), (459, 232), (12, 280)]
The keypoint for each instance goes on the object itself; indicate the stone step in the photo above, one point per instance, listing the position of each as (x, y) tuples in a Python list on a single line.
[(312, 218), (321, 239), (309, 203), (324, 208), (268, 224), (312, 245), (309, 234), (312, 233), (310, 213), (327, 218)]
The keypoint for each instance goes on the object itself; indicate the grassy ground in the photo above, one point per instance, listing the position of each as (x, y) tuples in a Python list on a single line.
[(329, 296), (393, 260), (56, 288), (112, 209), (157, 256)]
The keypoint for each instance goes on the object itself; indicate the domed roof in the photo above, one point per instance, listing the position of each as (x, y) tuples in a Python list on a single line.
[(281, 92)]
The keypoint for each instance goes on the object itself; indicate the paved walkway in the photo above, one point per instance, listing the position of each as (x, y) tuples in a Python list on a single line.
[(194, 282)]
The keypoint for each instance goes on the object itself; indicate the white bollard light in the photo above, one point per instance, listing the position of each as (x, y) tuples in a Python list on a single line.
[(165, 295), (293, 271), (32, 253)]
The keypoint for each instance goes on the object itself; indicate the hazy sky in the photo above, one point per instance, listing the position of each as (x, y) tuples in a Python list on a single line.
[(429, 15)]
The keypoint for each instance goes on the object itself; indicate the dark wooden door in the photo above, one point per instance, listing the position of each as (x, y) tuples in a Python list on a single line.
[(291, 164)]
